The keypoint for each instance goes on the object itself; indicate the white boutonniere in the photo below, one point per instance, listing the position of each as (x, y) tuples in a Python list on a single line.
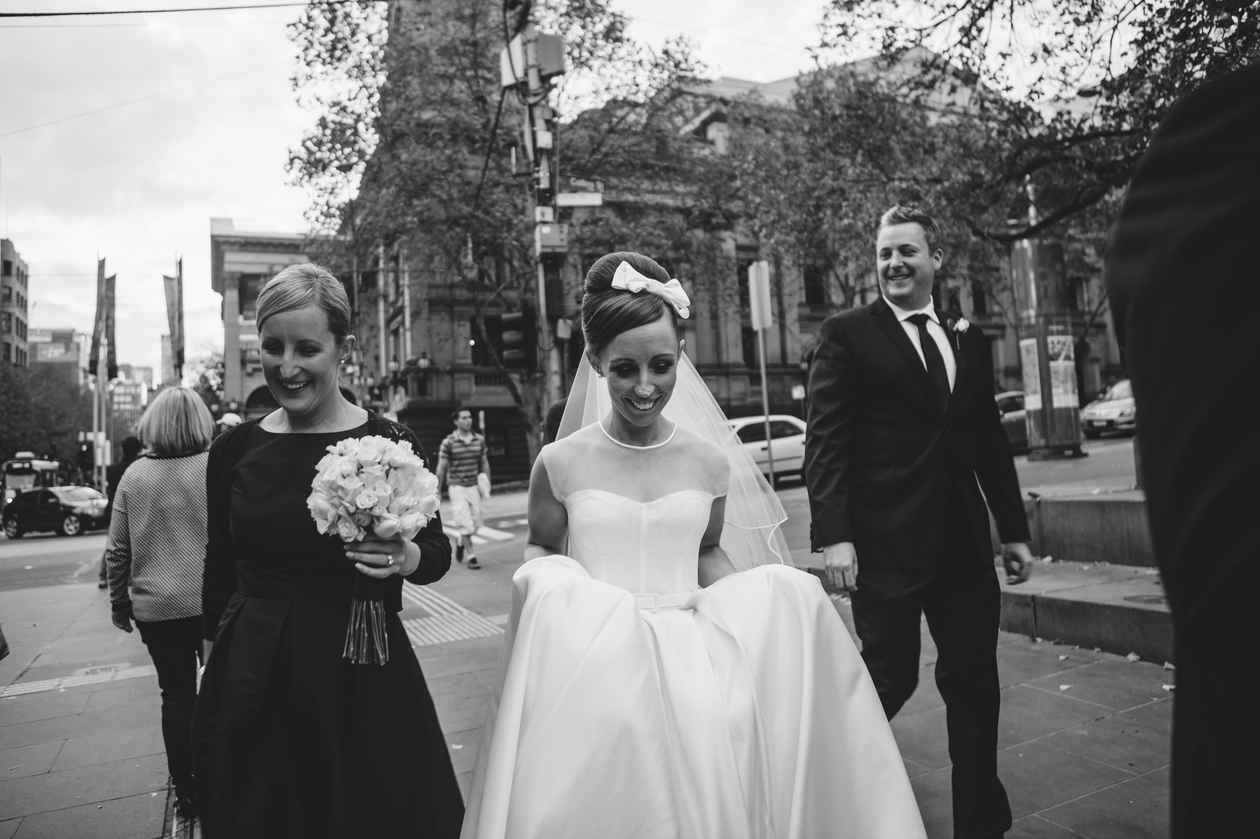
[(957, 329)]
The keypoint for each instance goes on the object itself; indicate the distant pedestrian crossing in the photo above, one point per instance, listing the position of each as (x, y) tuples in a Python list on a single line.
[(487, 534), (446, 620)]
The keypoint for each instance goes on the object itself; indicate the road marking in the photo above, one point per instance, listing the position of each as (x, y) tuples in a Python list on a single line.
[(94, 676), (447, 620), (483, 535)]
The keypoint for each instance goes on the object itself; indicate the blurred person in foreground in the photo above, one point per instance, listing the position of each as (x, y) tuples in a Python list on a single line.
[(157, 538), (1182, 276), (131, 447), (296, 736)]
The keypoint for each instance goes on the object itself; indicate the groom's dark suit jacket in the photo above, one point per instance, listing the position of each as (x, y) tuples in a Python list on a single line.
[(887, 467)]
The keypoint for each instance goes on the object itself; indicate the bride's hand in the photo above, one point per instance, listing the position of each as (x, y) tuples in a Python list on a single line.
[(381, 558)]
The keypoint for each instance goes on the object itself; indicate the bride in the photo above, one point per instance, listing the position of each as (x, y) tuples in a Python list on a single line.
[(669, 676)]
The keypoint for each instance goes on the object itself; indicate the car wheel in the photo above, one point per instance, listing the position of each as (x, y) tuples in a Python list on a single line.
[(71, 526), (1092, 435), (11, 529)]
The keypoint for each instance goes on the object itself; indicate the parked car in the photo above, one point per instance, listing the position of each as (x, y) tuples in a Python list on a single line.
[(1010, 405), (787, 435), (1113, 410), (69, 510)]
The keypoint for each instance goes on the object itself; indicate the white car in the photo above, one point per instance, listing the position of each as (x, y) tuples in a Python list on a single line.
[(1113, 410), (787, 435)]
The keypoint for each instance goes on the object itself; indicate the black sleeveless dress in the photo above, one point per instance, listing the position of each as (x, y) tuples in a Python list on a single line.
[(291, 740)]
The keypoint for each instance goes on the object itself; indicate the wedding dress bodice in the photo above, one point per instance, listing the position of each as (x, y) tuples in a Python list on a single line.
[(642, 546)]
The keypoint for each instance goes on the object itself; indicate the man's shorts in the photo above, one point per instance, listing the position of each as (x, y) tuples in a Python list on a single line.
[(465, 509)]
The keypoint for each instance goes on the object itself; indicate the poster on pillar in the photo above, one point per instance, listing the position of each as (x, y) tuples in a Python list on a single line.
[(1062, 352), (1030, 362)]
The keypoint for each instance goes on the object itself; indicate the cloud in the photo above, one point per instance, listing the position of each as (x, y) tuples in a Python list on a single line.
[(194, 117)]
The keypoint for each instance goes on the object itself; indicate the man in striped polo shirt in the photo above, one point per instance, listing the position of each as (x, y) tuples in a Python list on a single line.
[(462, 458)]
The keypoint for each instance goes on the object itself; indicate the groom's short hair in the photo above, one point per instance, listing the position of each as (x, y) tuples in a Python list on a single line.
[(910, 214)]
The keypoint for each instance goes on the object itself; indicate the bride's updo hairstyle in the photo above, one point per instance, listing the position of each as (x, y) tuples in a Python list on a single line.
[(607, 312)]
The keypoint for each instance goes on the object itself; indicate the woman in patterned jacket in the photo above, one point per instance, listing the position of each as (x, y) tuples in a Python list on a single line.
[(157, 544)]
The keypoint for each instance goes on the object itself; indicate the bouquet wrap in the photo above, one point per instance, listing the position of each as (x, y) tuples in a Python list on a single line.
[(371, 486)]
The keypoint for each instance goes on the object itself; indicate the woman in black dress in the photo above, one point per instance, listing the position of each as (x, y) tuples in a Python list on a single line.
[(293, 739)]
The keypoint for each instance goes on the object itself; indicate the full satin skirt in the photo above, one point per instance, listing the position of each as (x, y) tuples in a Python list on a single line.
[(739, 711)]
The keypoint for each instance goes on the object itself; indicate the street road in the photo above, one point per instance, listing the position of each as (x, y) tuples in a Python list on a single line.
[(44, 560)]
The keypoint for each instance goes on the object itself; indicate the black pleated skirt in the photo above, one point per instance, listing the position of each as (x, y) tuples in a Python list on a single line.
[(291, 740)]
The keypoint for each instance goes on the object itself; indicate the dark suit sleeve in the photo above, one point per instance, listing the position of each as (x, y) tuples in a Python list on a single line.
[(829, 439), (219, 578), (994, 465)]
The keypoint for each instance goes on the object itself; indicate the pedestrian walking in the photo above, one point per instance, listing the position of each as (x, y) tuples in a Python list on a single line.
[(903, 433), (295, 736), (1181, 272), (157, 541), (131, 447), (464, 469)]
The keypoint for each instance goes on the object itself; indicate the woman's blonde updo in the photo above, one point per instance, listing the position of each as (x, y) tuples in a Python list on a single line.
[(301, 285), (607, 312)]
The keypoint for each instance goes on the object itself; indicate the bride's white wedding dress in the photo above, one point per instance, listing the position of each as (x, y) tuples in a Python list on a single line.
[(637, 705)]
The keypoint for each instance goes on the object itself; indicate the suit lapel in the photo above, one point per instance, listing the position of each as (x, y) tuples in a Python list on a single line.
[(916, 378)]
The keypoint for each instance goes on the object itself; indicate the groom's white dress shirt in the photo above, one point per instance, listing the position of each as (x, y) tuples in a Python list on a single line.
[(934, 329)]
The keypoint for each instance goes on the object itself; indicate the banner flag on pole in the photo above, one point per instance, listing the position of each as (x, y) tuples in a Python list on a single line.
[(111, 355), (98, 322), (177, 349), (172, 324)]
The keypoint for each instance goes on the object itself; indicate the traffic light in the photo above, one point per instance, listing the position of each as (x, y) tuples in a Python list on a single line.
[(517, 340), (85, 457)]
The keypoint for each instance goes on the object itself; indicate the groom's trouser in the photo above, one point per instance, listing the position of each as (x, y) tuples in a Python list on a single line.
[(962, 614)]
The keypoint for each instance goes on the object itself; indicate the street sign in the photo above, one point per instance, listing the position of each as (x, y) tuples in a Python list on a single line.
[(759, 295), (798, 391), (579, 199)]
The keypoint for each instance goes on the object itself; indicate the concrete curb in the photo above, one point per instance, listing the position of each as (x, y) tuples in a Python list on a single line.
[(1114, 608)]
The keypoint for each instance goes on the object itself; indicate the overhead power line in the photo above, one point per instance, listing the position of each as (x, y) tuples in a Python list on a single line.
[(180, 10)]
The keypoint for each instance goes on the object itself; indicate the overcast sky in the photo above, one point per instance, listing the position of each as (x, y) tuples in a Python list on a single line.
[(122, 136)]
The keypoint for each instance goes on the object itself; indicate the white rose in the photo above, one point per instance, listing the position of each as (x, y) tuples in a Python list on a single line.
[(348, 530), (410, 524), (365, 500), (428, 505), (386, 526)]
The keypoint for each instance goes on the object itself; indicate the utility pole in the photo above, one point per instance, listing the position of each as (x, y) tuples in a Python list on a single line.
[(762, 319), (527, 65), (1048, 356)]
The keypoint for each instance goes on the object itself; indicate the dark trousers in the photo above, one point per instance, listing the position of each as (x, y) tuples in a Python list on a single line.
[(175, 647), (962, 615)]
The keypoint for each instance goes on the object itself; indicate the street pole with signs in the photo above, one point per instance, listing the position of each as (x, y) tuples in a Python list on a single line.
[(527, 66), (762, 319)]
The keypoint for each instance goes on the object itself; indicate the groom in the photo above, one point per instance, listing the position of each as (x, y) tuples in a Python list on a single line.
[(903, 435)]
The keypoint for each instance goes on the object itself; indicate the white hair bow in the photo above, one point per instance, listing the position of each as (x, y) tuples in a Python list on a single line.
[(627, 278)]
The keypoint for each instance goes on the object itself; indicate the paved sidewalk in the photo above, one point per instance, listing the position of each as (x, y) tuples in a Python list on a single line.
[(81, 750), (1084, 735), (1084, 738)]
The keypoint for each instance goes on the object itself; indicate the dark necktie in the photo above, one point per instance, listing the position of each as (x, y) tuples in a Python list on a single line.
[(932, 355)]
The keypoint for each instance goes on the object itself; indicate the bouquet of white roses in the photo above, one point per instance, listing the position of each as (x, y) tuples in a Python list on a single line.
[(371, 486)]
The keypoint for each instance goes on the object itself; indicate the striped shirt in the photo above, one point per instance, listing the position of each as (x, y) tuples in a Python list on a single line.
[(463, 458), (157, 538)]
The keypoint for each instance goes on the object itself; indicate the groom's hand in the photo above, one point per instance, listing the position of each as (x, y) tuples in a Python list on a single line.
[(840, 564), (1018, 560)]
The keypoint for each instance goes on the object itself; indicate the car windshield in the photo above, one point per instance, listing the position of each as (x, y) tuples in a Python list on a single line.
[(77, 494), (1120, 390)]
